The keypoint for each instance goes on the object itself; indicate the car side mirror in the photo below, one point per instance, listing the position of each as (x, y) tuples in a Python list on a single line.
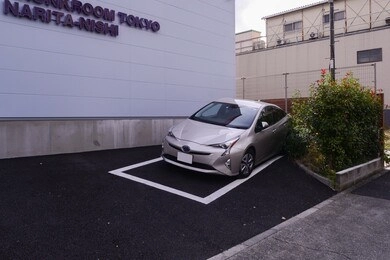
[(261, 126)]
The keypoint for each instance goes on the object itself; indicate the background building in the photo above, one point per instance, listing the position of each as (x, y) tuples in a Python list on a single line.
[(249, 41), (298, 47), (80, 76)]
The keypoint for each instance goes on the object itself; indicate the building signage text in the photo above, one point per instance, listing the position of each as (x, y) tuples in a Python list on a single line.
[(89, 18)]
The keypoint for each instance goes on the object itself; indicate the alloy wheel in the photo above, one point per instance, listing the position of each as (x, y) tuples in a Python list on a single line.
[(246, 165)]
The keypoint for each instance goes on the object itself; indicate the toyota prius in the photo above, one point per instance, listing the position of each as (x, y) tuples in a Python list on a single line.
[(227, 136)]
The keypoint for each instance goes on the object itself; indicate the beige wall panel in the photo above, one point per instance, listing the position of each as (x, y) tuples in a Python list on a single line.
[(31, 138), (296, 35), (71, 136), (358, 15), (339, 26), (264, 70), (293, 16), (274, 30), (380, 11), (3, 139), (312, 22)]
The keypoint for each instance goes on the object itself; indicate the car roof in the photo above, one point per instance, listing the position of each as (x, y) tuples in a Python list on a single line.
[(245, 102)]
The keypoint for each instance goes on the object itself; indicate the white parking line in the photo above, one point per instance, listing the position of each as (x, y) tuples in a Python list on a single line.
[(206, 200)]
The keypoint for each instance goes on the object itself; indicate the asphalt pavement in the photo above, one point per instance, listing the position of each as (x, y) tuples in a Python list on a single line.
[(71, 207), (354, 224)]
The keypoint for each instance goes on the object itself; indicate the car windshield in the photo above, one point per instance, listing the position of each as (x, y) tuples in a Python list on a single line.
[(226, 114)]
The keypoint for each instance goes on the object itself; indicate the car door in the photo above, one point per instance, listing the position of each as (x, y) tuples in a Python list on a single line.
[(279, 129), (263, 136)]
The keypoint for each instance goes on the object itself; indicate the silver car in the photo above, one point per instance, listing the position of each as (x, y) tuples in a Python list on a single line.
[(228, 137)]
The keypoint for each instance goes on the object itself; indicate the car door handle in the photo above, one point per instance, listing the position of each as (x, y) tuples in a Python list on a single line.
[(273, 131)]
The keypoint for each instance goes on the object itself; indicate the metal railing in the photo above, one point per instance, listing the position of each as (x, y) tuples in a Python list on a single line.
[(286, 85)]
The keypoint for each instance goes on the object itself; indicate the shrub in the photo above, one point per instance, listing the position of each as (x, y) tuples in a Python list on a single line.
[(336, 127)]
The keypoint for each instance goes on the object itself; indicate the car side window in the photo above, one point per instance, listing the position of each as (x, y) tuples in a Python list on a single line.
[(278, 114), (267, 115), (270, 115)]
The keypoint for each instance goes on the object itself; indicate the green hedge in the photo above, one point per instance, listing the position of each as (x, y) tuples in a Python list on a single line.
[(336, 127)]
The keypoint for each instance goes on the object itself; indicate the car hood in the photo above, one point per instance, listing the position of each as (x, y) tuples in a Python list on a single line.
[(204, 133)]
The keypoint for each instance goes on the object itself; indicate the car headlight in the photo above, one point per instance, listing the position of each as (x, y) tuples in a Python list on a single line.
[(171, 134), (226, 145)]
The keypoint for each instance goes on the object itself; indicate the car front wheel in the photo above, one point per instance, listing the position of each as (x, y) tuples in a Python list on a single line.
[(247, 164)]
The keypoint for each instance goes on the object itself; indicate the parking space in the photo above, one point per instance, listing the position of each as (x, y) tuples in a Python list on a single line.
[(129, 204), (185, 183)]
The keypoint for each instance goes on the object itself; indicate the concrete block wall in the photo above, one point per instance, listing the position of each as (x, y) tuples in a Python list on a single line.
[(43, 137), (348, 177), (351, 176)]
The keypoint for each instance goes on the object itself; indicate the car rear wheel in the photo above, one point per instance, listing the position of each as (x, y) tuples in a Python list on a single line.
[(247, 164)]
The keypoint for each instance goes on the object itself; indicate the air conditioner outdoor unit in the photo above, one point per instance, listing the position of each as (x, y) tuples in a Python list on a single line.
[(313, 35), (280, 42), (257, 46)]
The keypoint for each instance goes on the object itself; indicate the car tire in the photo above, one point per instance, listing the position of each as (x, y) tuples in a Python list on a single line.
[(247, 164)]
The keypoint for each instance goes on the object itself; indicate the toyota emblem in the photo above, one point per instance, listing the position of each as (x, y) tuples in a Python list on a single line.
[(186, 148)]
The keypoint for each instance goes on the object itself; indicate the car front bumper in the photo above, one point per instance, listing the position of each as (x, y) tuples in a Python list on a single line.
[(200, 158)]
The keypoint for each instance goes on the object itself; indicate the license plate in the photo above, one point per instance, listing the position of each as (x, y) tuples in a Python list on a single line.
[(183, 157)]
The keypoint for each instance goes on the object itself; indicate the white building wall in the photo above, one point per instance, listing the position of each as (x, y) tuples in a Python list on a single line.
[(50, 70), (69, 90)]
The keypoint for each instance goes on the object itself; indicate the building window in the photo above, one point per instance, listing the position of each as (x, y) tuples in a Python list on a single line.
[(367, 56), (290, 27), (338, 16)]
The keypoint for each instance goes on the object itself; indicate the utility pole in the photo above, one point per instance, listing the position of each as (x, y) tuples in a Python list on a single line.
[(285, 93), (243, 87), (332, 62), (374, 77)]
